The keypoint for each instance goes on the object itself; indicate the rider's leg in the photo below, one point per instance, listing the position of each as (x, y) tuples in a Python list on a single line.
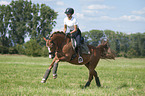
[(78, 39), (80, 59)]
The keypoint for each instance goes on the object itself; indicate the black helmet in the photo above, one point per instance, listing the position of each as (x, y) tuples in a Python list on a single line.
[(69, 11)]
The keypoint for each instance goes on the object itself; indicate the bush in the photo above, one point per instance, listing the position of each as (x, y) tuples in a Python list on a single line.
[(32, 48), (121, 54), (4, 50), (13, 50), (44, 51), (132, 53), (20, 49)]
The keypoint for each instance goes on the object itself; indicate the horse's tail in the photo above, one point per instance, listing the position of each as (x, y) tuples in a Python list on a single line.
[(104, 45)]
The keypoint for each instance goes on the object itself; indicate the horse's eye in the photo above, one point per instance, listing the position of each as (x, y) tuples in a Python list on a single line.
[(52, 42)]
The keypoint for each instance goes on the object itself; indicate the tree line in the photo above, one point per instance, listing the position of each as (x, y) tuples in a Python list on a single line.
[(23, 18), (127, 45)]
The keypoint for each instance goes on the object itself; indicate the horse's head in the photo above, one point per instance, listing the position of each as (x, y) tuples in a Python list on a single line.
[(51, 47), (54, 42)]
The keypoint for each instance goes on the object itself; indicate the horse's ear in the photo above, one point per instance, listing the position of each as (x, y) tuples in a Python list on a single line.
[(44, 38)]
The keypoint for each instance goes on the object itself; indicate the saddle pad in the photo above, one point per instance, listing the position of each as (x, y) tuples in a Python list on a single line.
[(84, 47)]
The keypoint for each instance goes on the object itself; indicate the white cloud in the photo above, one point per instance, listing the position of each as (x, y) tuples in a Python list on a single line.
[(90, 11), (140, 12), (79, 15), (132, 18), (4, 3), (60, 3), (90, 0), (97, 6), (121, 18), (107, 18), (48, 0)]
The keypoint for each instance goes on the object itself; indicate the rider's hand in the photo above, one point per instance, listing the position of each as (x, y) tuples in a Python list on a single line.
[(68, 34)]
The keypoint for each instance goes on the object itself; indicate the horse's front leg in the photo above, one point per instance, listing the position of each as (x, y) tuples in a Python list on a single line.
[(48, 71), (55, 66)]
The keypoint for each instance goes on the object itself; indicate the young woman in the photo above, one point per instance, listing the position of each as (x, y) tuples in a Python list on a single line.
[(75, 32)]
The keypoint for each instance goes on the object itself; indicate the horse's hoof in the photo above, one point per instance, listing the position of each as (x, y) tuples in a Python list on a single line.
[(43, 81), (55, 76)]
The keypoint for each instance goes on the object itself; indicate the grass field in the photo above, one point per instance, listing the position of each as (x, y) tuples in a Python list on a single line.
[(21, 75)]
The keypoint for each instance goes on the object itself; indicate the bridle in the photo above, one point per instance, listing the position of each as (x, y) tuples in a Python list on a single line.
[(57, 47)]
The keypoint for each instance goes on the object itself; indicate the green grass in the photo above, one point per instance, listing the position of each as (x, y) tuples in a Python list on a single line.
[(21, 75)]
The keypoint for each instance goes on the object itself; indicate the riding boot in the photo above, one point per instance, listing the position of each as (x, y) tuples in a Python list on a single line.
[(80, 59)]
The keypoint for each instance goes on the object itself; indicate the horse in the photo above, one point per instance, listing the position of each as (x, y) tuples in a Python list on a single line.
[(60, 44)]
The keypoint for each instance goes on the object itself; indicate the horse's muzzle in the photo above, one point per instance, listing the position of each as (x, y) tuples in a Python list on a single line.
[(51, 54)]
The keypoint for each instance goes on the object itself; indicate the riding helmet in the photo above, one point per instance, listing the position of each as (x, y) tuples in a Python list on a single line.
[(69, 11)]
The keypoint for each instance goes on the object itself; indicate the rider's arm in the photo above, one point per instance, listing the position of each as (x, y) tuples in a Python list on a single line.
[(75, 29), (65, 28)]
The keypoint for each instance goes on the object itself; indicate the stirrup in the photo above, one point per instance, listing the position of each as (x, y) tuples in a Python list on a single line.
[(80, 59)]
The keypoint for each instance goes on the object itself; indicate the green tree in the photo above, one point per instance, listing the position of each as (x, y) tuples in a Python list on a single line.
[(33, 24), (112, 38), (30, 19), (132, 53), (138, 43), (47, 22), (142, 44), (42, 23), (95, 36), (21, 14), (5, 15), (85, 36)]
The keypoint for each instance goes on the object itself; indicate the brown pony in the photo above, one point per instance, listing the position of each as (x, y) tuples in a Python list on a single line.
[(61, 45)]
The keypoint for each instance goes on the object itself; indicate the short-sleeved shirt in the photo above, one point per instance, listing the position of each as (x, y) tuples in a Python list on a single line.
[(70, 23)]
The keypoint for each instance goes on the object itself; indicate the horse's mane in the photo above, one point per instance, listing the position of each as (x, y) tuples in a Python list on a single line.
[(57, 32)]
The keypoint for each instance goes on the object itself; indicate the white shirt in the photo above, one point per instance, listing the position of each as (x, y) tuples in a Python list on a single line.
[(70, 23)]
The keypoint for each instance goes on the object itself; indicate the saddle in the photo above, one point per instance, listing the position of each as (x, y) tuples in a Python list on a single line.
[(84, 47)]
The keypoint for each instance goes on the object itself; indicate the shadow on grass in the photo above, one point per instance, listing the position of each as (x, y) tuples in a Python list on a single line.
[(123, 86), (107, 87), (83, 87)]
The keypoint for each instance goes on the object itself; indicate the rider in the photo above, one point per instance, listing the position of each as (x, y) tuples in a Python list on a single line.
[(75, 32)]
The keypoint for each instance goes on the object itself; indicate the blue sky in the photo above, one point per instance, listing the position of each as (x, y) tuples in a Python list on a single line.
[(126, 16)]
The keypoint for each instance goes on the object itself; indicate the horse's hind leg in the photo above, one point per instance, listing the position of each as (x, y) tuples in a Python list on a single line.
[(89, 80), (97, 79), (90, 75)]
